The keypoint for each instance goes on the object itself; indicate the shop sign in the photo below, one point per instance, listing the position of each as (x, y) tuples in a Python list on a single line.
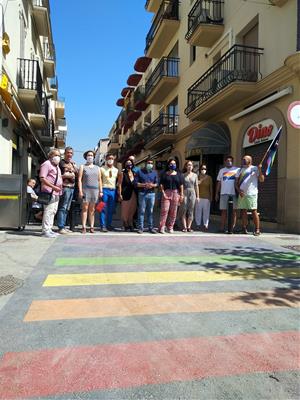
[(294, 114), (260, 132)]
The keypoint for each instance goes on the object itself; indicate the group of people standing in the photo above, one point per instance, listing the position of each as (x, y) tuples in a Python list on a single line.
[(183, 195)]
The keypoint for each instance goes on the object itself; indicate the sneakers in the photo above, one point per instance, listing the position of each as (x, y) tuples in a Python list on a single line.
[(170, 230), (49, 235), (152, 230), (104, 229), (162, 230), (140, 231), (63, 231)]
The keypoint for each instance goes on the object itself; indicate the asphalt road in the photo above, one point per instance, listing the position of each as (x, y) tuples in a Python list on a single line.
[(126, 316)]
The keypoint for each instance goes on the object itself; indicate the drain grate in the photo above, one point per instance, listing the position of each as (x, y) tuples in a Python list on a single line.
[(8, 284), (295, 247)]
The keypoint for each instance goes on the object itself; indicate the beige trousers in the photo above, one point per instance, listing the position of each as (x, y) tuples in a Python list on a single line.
[(49, 214)]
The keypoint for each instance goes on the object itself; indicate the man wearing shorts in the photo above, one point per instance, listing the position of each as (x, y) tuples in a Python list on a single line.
[(246, 184), (226, 188)]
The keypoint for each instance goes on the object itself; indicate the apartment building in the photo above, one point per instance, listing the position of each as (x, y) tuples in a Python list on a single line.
[(32, 113), (219, 77), (101, 151)]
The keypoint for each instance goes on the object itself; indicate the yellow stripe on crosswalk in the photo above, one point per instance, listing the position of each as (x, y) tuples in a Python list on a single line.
[(123, 278)]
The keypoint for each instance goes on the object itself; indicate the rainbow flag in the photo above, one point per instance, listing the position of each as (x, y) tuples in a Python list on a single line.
[(272, 150)]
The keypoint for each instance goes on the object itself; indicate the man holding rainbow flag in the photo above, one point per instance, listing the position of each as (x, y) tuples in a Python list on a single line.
[(247, 183)]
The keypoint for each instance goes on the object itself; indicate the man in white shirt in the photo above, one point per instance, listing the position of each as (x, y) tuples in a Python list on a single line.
[(226, 188), (247, 186)]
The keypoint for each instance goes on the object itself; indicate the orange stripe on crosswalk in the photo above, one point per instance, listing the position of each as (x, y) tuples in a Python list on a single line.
[(43, 310)]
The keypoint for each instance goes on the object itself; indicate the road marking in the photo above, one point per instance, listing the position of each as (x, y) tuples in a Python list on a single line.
[(124, 278), (49, 310), (52, 372), (144, 260)]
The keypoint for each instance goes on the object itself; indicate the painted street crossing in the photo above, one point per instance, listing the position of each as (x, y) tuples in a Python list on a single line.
[(122, 317)]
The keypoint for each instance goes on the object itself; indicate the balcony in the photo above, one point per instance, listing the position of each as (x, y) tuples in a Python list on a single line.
[(152, 5), (46, 135), (30, 87), (205, 23), (230, 80), (49, 59), (53, 87), (163, 28), (40, 120), (114, 144), (163, 79), (60, 108), (41, 16), (161, 131)]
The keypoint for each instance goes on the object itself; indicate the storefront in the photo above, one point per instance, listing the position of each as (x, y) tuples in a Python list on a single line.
[(257, 133)]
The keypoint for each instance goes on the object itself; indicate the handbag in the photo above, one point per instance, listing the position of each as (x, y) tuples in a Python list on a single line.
[(45, 197), (100, 206)]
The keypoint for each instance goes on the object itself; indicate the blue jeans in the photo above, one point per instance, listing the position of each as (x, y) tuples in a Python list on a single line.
[(109, 198), (64, 206), (146, 204)]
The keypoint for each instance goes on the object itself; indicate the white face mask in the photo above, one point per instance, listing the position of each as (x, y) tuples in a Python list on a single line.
[(110, 162), (203, 171), (55, 160), (90, 159)]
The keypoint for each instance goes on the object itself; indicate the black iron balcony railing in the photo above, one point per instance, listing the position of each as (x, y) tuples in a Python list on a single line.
[(165, 124), (239, 63), (167, 10), (134, 140), (168, 66), (48, 51), (29, 76), (139, 94), (45, 107), (205, 12), (41, 3)]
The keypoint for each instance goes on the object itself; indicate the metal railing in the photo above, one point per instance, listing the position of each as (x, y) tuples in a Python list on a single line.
[(168, 66), (29, 76), (139, 94), (49, 51), (41, 3), (205, 12), (164, 124), (45, 106), (167, 10), (239, 63)]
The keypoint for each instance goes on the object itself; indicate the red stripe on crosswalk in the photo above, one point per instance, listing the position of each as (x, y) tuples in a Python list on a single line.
[(92, 368)]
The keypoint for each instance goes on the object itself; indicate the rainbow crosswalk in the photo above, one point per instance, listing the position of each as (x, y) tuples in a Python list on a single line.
[(182, 312)]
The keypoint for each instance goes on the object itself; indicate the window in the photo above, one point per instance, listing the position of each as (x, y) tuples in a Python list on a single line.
[(192, 54)]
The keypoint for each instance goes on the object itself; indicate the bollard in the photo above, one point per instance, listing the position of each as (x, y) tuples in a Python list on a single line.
[(230, 215)]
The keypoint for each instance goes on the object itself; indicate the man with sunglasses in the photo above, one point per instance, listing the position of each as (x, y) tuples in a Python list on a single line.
[(109, 176)]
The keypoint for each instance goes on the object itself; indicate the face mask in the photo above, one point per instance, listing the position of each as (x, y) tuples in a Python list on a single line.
[(128, 166), (203, 171), (245, 163), (55, 160), (149, 167), (110, 162), (172, 167), (229, 164), (90, 159)]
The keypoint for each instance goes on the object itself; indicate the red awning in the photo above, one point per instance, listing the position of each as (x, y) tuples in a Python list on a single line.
[(142, 63), (126, 90), (134, 79), (140, 105), (133, 116), (120, 102)]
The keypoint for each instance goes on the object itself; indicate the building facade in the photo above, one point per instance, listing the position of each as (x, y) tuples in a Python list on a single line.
[(101, 151), (32, 113), (219, 77)]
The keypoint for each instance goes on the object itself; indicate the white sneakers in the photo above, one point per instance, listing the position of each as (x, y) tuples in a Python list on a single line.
[(50, 234), (163, 230)]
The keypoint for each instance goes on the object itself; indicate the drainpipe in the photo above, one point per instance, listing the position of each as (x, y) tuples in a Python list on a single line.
[(298, 25)]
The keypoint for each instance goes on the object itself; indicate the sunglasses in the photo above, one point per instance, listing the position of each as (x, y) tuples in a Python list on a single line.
[(110, 174)]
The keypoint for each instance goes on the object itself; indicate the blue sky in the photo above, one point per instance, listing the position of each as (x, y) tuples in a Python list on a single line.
[(97, 43)]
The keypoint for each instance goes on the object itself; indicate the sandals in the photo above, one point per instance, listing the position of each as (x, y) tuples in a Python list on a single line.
[(92, 230), (184, 230), (83, 230), (190, 230)]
